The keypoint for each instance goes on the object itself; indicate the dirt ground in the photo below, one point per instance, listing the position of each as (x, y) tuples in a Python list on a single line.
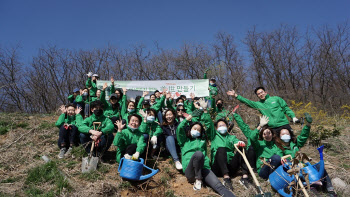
[(22, 148)]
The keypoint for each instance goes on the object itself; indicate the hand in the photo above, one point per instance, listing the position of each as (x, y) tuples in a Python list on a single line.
[(63, 109), (164, 91), (185, 114), (172, 96), (263, 121), (125, 90), (308, 117), (120, 125), (189, 118), (192, 95), (154, 140), (232, 93), (203, 104), (104, 86), (112, 80), (78, 110), (168, 95), (127, 156), (240, 144), (142, 113), (81, 92), (94, 137), (135, 156), (295, 120), (144, 93), (89, 74)]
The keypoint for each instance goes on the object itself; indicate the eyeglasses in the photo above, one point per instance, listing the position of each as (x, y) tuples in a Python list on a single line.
[(183, 110)]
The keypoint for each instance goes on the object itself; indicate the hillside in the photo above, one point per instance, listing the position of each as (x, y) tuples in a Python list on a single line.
[(25, 138)]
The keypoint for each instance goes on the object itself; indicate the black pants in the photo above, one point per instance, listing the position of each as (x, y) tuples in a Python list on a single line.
[(103, 145), (221, 167), (251, 156), (67, 136), (195, 171), (130, 150)]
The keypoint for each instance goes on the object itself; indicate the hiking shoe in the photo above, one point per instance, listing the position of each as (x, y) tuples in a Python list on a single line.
[(245, 182), (62, 151), (332, 194), (69, 152), (197, 185), (228, 184), (178, 165)]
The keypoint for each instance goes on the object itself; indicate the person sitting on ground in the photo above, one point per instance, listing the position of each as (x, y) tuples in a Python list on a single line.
[(102, 134), (151, 129), (128, 109), (91, 83), (224, 162), (195, 162), (130, 141), (67, 123), (292, 144), (169, 127), (267, 147), (273, 107)]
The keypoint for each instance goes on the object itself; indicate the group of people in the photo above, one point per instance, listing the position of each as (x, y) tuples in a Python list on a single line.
[(186, 127)]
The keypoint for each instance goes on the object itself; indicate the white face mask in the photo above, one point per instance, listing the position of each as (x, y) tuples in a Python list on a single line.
[(150, 118), (131, 110), (195, 133), (222, 129), (285, 138)]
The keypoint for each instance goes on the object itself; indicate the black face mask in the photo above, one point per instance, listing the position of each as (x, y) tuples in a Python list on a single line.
[(219, 105), (94, 81), (98, 112)]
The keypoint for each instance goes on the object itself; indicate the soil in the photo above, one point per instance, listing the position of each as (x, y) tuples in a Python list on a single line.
[(22, 148)]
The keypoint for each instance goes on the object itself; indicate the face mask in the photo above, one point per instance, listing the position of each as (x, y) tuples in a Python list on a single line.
[(285, 138), (219, 105), (98, 112), (195, 133), (211, 84), (222, 130), (131, 110), (132, 129), (85, 94), (150, 118), (180, 104)]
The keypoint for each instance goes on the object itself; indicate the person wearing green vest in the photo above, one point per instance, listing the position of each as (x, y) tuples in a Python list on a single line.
[(102, 134), (195, 162), (273, 107), (224, 162), (267, 146), (152, 130), (91, 83), (130, 141), (67, 123)]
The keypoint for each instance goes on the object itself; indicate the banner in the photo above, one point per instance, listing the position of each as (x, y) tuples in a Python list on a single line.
[(197, 86)]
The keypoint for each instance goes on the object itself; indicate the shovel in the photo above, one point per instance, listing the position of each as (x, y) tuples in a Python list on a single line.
[(89, 163), (261, 193)]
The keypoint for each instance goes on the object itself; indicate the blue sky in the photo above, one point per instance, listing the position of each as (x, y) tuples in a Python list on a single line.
[(95, 24)]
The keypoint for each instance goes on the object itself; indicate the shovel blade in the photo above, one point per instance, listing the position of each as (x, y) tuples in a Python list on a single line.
[(89, 164), (267, 194)]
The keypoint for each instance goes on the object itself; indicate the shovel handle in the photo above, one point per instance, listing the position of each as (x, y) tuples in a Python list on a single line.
[(249, 167), (92, 147)]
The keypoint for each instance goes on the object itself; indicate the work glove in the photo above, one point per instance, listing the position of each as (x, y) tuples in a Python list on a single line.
[(263, 121), (154, 140), (241, 144), (89, 74), (295, 120), (308, 117), (197, 113), (127, 156), (202, 103), (135, 156)]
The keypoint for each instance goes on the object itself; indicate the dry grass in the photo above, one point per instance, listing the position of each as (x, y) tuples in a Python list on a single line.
[(20, 157)]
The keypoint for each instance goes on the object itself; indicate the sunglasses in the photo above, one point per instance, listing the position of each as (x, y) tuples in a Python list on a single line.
[(181, 110)]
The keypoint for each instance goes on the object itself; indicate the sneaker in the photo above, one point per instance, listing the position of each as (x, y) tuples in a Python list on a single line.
[(62, 151), (69, 152), (178, 165), (228, 184), (245, 182), (332, 194), (197, 185)]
